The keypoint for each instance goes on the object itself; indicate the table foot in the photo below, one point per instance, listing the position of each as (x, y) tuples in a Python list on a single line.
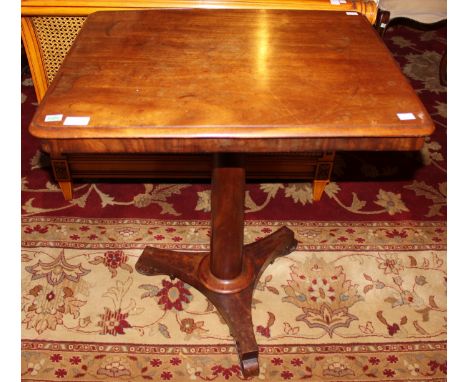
[(234, 303)]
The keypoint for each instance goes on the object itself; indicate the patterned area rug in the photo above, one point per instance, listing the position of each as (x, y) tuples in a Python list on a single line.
[(363, 298)]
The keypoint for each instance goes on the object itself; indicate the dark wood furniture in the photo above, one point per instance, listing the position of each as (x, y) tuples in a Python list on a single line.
[(228, 83), (48, 29)]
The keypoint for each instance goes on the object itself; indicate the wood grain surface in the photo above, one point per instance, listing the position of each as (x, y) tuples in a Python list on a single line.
[(219, 75)]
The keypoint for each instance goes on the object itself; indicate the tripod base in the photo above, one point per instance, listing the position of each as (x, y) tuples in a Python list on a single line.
[(233, 297)]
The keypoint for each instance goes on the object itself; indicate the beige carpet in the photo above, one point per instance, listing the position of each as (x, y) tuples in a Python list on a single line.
[(367, 303)]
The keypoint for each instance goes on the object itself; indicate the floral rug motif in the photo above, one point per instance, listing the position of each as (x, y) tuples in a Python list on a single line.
[(367, 314), (363, 298)]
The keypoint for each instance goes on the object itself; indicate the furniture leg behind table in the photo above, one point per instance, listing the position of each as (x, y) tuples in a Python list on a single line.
[(62, 176), (322, 176)]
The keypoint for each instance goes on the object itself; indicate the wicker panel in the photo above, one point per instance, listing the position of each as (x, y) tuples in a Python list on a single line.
[(55, 36)]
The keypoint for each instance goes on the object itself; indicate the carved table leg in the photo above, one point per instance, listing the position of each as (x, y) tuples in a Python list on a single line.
[(227, 275), (382, 21), (63, 178), (322, 175)]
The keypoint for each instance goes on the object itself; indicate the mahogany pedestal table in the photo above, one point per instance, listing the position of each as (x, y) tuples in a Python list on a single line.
[(227, 82)]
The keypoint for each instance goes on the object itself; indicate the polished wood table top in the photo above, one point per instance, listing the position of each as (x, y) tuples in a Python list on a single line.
[(231, 80)]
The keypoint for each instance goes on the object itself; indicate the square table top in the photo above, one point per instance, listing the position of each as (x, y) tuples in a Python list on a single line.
[(324, 80)]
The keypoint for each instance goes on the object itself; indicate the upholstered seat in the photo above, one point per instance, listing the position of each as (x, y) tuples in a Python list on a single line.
[(421, 11)]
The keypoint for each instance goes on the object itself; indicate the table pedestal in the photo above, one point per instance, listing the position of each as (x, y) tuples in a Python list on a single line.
[(226, 275)]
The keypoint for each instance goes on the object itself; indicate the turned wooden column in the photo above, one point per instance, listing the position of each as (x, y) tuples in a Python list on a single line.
[(225, 269), (227, 216)]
